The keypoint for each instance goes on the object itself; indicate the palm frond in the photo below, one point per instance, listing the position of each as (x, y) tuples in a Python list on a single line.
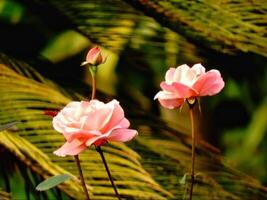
[(225, 26), (221, 25), (214, 180), (170, 151), (24, 98), (4, 195), (117, 26)]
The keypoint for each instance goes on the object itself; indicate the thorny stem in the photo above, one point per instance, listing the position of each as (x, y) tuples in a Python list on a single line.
[(99, 150), (81, 177), (193, 150)]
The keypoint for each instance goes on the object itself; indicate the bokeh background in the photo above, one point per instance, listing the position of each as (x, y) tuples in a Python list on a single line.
[(141, 40)]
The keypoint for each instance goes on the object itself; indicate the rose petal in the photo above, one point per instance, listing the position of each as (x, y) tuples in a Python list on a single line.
[(116, 117), (81, 135), (210, 83), (180, 73), (71, 148), (94, 105), (79, 110), (166, 95), (124, 123), (122, 135), (94, 139), (198, 69), (94, 56), (189, 77), (171, 103), (213, 89), (169, 75), (97, 119), (181, 90), (59, 122), (70, 130), (57, 125), (118, 134)]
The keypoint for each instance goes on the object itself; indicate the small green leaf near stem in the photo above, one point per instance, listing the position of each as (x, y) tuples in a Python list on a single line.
[(52, 182)]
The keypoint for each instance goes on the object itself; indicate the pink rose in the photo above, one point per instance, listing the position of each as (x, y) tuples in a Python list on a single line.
[(185, 82), (94, 57), (85, 123)]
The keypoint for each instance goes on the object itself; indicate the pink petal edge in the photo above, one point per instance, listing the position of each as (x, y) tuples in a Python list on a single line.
[(182, 91), (209, 84), (70, 148), (171, 103), (122, 135)]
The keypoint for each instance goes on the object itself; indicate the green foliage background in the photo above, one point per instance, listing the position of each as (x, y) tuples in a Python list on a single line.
[(42, 46)]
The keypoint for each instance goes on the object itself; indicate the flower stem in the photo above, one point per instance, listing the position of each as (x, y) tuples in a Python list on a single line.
[(81, 177), (99, 150), (93, 87), (93, 70), (193, 152)]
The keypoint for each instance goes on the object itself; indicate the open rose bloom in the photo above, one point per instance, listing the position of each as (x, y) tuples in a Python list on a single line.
[(183, 83), (85, 123)]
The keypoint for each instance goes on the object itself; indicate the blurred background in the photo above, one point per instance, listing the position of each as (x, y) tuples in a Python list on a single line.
[(141, 40)]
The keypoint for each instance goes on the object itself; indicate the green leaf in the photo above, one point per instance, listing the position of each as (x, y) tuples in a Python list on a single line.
[(221, 26), (225, 27), (182, 181), (9, 125), (53, 181)]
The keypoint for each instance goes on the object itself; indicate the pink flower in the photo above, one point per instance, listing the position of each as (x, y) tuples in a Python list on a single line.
[(185, 83), (85, 123), (94, 57)]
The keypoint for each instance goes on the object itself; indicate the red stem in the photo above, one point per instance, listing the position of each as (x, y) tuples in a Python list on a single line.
[(98, 148), (81, 177)]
